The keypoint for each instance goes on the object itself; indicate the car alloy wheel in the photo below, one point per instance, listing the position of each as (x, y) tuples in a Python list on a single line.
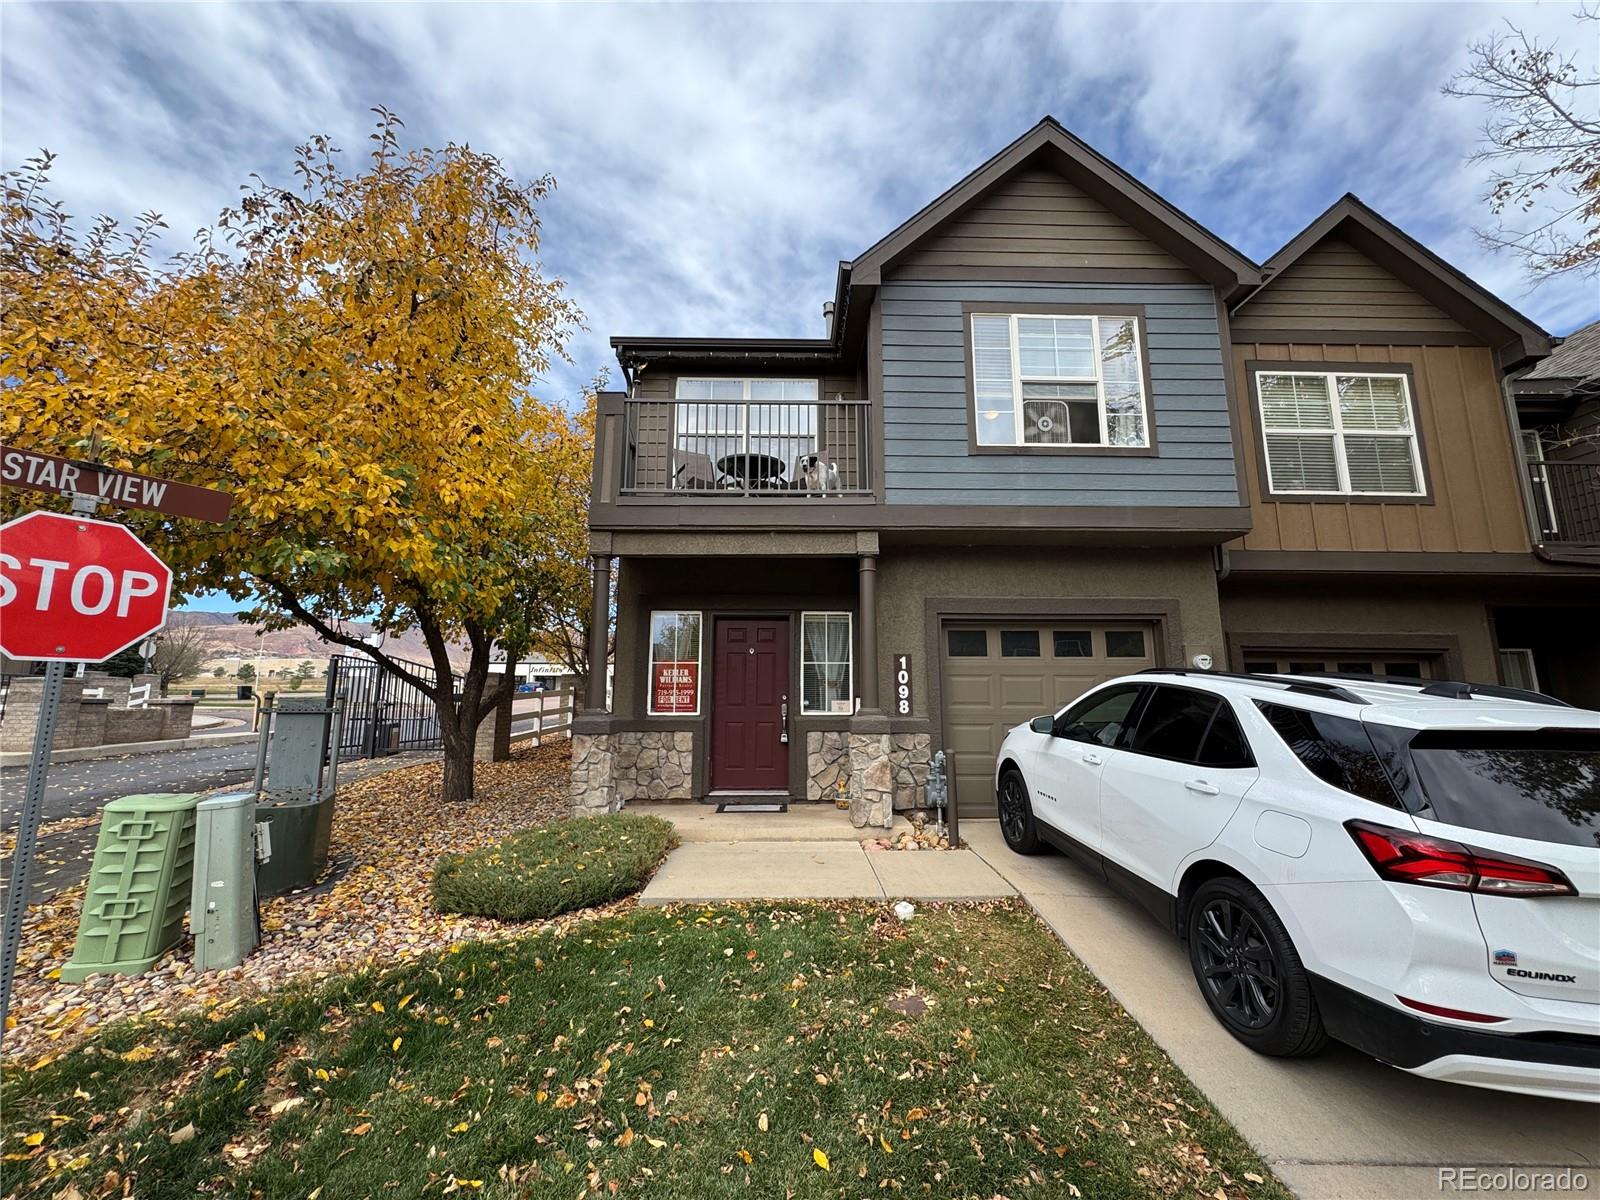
[(1013, 809), (1017, 825), (1237, 965)]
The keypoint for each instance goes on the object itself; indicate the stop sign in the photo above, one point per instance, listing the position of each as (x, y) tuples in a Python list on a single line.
[(77, 589)]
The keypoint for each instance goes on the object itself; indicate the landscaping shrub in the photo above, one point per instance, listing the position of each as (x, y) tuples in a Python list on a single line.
[(552, 869)]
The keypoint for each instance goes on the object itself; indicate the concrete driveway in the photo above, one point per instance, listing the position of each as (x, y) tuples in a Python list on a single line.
[(1339, 1126)]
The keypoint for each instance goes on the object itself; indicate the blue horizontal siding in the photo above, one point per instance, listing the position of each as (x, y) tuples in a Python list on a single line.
[(925, 419)]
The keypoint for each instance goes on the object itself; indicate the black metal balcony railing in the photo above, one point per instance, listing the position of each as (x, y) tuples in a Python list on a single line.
[(1566, 501), (706, 450)]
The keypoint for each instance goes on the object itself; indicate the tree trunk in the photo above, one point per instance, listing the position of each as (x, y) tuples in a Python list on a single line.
[(458, 762)]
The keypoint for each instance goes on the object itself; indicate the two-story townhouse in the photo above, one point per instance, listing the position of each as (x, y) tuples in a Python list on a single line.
[(1055, 431)]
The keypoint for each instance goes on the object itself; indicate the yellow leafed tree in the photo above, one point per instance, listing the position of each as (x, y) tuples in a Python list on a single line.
[(352, 358)]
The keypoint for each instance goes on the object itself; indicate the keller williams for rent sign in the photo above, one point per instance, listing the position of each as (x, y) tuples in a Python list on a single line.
[(675, 687), (76, 589)]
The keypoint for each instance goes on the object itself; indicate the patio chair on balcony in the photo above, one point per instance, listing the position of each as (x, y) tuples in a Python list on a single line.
[(695, 471)]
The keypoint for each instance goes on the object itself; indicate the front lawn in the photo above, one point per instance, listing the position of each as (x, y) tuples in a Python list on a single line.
[(772, 1051)]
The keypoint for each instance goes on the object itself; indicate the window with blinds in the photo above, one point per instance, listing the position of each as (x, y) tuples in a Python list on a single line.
[(1332, 433), (1043, 380)]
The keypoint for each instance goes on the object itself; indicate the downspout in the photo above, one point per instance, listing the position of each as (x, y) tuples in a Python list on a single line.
[(1221, 562)]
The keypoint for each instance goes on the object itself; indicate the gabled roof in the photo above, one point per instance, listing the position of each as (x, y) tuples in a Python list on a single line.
[(1182, 236), (1392, 248)]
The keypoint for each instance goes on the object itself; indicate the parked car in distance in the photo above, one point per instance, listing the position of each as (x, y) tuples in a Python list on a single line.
[(1410, 867)]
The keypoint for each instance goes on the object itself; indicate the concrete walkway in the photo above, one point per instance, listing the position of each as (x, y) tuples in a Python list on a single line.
[(810, 853), (1336, 1127)]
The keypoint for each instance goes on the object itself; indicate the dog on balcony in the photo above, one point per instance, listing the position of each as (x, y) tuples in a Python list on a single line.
[(813, 473)]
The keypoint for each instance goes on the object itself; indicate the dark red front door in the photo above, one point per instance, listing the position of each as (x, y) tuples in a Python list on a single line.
[(750, 696)]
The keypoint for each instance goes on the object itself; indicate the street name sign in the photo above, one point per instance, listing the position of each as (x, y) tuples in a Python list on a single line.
[(74, 589), (125, 489)]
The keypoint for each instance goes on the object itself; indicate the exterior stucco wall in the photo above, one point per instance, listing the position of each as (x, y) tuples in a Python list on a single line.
[(1364, 610), (1072, 581)]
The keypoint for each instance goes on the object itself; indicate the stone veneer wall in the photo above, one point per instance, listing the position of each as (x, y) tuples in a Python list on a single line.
[(610, 769), (827, 764), (887, 774)]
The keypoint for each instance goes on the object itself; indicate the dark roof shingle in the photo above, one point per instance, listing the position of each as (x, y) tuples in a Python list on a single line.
[(1578, 357)]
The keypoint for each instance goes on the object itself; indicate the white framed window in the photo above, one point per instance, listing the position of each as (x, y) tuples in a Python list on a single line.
[(1058, 380), (674, 680), (827, 675), (721, 418), (1339, 433), (1517, 669)]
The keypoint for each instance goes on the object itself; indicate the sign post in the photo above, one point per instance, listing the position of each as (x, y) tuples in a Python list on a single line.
[(55, 673), (74, 589)]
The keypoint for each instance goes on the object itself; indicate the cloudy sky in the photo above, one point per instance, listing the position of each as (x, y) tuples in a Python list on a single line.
[(714, 162)]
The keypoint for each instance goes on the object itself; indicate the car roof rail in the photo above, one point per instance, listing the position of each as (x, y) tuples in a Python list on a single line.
[(1452, 689), (1298, 683)]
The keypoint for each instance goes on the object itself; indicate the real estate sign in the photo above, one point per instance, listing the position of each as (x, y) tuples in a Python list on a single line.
[(675, 687)]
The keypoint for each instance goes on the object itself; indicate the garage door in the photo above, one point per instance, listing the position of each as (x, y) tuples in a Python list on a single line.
[(999, 674), (1356, 662)]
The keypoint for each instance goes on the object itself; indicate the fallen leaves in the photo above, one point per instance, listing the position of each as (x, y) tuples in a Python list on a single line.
[(387, 833), (821, 1159)]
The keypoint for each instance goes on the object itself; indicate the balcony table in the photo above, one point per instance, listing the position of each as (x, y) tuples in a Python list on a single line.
[(753, 470)]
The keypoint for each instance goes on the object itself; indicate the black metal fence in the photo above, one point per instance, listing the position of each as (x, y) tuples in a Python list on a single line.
[(1566, 500), (383, 714)]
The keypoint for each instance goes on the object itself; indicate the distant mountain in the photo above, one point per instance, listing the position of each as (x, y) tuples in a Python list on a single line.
[(233, 634)]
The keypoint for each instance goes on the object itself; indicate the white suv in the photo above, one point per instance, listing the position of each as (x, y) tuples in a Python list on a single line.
[(1409, 867)]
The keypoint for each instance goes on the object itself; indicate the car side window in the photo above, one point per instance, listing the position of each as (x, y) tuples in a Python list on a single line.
[(1172, 724), (1225, 745), (1336, 750), (1100, 718)]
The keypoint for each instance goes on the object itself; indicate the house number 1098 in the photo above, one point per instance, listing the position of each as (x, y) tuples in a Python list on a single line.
[(902, 685)]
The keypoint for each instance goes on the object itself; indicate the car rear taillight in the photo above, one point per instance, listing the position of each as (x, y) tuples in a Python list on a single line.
[(1404, 856)]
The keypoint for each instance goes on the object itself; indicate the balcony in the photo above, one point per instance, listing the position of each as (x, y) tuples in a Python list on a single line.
[(752, 450), (1566, 501)]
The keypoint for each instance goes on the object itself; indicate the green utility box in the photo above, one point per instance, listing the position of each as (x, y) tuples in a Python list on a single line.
[(295, 785), (295, 846), (222, 906), (138, 887)]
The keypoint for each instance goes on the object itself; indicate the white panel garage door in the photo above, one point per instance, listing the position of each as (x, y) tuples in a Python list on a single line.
[(999, 674)]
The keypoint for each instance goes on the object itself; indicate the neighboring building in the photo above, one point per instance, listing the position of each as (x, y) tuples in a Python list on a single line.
[(1056, 431)]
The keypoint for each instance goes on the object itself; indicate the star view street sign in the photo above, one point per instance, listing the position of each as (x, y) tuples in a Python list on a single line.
[(125, 489), (76, 589)]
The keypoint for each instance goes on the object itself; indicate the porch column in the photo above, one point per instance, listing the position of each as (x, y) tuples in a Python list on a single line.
[(867, 669), (599, 640)]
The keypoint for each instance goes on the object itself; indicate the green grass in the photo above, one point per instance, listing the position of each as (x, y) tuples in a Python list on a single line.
[(552, 869), (691, 1054)]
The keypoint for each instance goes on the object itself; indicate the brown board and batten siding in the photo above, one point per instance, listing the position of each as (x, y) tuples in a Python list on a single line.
[(839, 428), (1474, 499), (1333, 286), (1034, 219)]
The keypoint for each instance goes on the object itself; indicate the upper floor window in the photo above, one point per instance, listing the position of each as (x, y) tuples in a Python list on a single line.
[(1058, 380), (1336, 433)]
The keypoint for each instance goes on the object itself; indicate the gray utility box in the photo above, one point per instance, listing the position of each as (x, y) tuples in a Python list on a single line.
[(222, 907)]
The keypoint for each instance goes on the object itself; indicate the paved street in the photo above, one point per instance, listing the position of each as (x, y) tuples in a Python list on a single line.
[(76, 789), (1335, 1127)]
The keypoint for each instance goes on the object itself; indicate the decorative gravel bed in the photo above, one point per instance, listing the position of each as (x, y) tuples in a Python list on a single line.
[(371, 907)]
